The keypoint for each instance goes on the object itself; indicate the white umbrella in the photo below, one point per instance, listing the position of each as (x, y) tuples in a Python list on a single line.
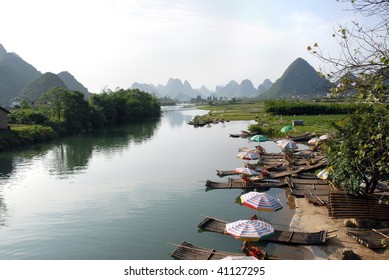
[(260, 201), (282, 141), (314, 141), (325, 137), (248, 155), (249, 230), (289, 146)]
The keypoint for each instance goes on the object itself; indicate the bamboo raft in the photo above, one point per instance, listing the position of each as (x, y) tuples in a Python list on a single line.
[(315, 190), (342, 205), (188, 251), (298, 170), (279, 236), (371, 238), (241, 184)]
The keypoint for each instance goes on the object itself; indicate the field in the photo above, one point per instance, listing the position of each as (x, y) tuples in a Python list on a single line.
[(318, 124)]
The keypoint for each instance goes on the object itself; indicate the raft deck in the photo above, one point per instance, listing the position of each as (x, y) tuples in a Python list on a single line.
[(241, 184), (279, 236), (371, 238), (188, 251)]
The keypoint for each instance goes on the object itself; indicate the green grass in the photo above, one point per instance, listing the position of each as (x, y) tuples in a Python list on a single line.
[(318, 124)]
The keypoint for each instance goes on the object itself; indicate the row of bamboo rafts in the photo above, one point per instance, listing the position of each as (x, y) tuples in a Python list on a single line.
[(276, 174), (188, 251), (279, 236), (342, 205), (371, 238)]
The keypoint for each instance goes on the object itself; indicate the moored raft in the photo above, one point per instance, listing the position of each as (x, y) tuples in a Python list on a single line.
[(371, 238), (279, 236), (241, 184), (188, 251), (315, 190)]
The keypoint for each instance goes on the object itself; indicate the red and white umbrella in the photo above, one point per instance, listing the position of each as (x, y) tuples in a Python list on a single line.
[(249, 230), (261, 201), (246, 171), (250, 155)]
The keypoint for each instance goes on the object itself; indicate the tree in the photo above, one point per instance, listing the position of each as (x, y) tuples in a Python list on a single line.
[(364, 53), (359, 152), (67, 108)]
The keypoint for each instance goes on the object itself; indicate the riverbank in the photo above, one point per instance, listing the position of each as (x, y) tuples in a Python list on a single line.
[(310, 218)]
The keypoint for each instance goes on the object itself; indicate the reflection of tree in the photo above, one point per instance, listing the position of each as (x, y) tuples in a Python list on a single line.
[(73, 153), (3, 211), (6, 165)]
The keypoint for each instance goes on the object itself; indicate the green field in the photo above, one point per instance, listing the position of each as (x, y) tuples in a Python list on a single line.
[(318, 124)]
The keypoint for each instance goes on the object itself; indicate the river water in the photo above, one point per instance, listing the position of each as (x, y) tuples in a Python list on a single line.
[(126, 193)]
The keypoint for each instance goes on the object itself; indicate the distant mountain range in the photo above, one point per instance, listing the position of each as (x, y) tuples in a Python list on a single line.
[(20, 80), (300, 80), (183, 91)]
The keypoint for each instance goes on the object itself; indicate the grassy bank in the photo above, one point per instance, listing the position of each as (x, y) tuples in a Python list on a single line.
[(21, 135), (268, 123)]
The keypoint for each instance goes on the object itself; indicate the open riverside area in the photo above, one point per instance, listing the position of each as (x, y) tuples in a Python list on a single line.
[(137, 191)]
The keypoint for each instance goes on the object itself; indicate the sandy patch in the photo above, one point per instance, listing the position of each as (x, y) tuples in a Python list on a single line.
[(310, 218)]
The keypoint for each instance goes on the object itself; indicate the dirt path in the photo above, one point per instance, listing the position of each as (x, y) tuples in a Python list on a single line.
[(309, 218)]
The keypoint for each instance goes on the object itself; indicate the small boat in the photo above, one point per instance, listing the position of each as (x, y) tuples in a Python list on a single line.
[(188, 251), (279, 236)]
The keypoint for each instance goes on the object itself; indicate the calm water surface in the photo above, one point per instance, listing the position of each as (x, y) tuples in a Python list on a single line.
[(126, 193)]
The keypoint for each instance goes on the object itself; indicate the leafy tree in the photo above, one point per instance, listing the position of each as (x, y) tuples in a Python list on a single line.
[(360, 151), (68, 109), (54, 100)]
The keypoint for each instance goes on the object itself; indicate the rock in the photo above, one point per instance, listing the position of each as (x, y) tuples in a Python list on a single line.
[(360, 223), (344, 254)]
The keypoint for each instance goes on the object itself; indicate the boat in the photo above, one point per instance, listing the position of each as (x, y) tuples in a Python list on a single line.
[(303, 137), (280, 236), (188, 251), (242, 184)]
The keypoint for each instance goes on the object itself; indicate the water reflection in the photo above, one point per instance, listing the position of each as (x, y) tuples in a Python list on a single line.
[(3, 211), (178, 116), (72, 154)]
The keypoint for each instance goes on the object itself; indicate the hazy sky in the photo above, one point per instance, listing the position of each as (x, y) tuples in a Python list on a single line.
[(113, 43)]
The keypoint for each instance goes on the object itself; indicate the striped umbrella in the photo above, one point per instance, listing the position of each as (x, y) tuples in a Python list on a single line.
[(248, 155), (249, 230), (261, 201), (246, 171)]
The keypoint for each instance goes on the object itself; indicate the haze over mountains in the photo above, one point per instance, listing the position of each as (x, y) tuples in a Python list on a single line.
[(183, 91), (20, 80)]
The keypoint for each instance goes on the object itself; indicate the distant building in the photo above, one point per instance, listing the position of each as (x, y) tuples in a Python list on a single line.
[(3, 118)]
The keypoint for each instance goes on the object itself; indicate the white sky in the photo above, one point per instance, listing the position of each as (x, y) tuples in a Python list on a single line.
[(113, 43)]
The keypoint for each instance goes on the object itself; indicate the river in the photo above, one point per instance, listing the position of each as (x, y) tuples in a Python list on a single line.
[(126, 193)]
